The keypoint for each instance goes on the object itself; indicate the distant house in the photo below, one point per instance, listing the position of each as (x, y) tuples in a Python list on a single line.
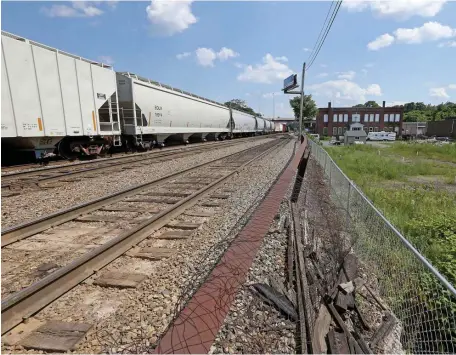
[(356, 133)]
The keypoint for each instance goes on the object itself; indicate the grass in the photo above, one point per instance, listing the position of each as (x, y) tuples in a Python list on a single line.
[(424, 214)]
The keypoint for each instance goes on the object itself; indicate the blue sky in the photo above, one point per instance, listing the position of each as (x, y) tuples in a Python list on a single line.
[(397, 51)]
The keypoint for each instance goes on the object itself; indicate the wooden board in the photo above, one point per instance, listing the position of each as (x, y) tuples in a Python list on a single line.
[(56, 336), (153, 253), (120, 279), (200, 213), (183, 225)]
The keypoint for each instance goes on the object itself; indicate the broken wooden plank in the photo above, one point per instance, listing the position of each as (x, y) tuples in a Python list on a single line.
[(341, 303), (199, 213), (120, 279), (333, 349), (321, 329), (362, 320), (342, 342), (56, 336), (377, 299), (129, 209), (347, 287), (274, 297), (350, 266), (183, 225), (152, 253), (170, 235), (362, 343), (383, 331)]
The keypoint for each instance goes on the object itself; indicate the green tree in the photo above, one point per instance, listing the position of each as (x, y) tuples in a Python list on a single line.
[(369, 104), (241, 105), (309, 109)]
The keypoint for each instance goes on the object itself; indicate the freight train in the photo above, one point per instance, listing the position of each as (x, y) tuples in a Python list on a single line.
[(57, 103)]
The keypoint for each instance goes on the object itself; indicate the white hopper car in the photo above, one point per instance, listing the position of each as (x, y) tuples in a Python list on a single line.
[(52, 100), (55, 102)]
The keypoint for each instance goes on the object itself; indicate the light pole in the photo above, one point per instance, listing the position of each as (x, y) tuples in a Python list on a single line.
[(273, 105)]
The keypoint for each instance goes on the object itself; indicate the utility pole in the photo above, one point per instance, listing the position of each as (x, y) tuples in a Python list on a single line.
[(291, 83), (273, 105), (302, 101)]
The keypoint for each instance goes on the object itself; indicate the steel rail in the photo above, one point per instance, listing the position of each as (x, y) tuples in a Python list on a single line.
[(76, 173), (19, 232), (168, 150), (23, 304)]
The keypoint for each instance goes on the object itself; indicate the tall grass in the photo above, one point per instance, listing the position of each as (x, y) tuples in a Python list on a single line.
[(444, 152), (425, 215)]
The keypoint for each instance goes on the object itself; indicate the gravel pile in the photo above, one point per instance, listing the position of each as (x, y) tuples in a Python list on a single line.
[(19, 209), (131, 320)]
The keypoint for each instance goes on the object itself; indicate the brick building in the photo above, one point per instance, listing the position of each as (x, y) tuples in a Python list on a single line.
[(332, 121)]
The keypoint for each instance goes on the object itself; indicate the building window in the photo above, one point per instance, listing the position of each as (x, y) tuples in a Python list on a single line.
[(398, 116), (356, 128), (341, 117), (335, 117), (325, 118), (371, 129), (325, 131), (356, 117), (340, 131), (356, 138), (386, 118), (377, 117), (334, 131), (366, 117), (346, 117), (345, 129), (371, 117)]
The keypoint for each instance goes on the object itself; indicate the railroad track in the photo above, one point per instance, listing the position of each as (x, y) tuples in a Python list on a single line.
[(114, 226), (52, 177)]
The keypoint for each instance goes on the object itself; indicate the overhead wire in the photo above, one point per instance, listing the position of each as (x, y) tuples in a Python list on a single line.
[(321, 38)]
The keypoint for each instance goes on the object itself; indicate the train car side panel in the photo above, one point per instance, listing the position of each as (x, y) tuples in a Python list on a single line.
[(104, 85), (24, 88), (70, 95), (243, 122), (86, 97), (49, 91), (8, 123)]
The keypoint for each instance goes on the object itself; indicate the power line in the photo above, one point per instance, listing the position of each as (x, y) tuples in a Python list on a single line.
[(321, 39)]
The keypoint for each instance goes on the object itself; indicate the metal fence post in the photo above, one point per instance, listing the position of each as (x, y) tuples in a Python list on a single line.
[(348, 204)]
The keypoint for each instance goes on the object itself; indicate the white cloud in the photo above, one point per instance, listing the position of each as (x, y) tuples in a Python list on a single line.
[(269, 95), (170, 17), (350, 75), (281, 59), (322, 75), (452, 86), (226, 53), (447, 44), (268, 71), (430, 31), (106, 59), (382, 41), (205, 57), (77, 9), (399, 9), (438, 92), (395, 103), (183, 55), (306, 49), (239, 65), (345, 90)]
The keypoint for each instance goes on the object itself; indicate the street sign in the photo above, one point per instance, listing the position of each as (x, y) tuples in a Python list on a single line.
[(290, 83)]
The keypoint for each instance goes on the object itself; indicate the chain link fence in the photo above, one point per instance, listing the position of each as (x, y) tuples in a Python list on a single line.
[(420, 297)]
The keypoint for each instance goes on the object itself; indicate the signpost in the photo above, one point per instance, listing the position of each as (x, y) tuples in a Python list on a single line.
[(291, 83)]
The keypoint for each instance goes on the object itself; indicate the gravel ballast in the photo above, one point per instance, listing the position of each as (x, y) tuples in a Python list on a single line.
[(133, 319), (21, 208)]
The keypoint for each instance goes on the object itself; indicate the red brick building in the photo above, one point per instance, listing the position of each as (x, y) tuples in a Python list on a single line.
[(333, 121)]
